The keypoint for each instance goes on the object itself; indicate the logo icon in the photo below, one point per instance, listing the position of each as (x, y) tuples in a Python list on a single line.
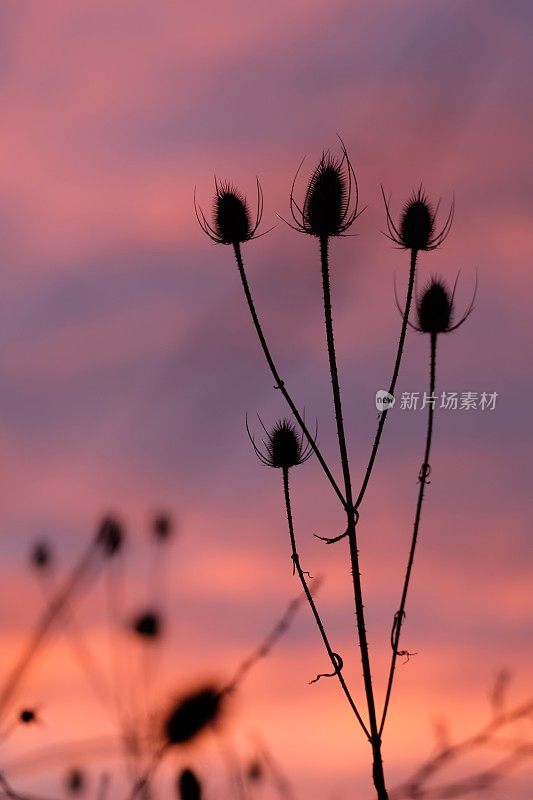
[(384, 400)]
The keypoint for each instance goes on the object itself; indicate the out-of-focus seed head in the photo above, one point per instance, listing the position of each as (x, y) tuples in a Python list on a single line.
[(188, 786), (147, 625), (331, 199), (192, 715), (416, 229), (254, 773), (162, 527), (41, 556), (232, 221), (284, 446), (110, 536), (28, 716), (75, 782)]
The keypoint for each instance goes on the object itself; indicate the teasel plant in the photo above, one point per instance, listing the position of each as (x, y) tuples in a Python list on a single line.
[(148, 727), (328, 210)]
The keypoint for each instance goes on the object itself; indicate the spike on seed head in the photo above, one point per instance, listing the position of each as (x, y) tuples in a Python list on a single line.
[(110, 535), (192, 715), (416, 229), (284, 446), (147, 625), (232, 221), (188, 786), (331, 199)]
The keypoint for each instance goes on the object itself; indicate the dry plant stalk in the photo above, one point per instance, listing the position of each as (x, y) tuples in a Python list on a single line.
[(329, 208)]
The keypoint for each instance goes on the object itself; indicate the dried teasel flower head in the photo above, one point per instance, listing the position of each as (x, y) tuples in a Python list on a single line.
[(188, 786), (331, 199), (435, 308), (416, 229), (192, 715), (284, 446), (110, 536), (231, 222)]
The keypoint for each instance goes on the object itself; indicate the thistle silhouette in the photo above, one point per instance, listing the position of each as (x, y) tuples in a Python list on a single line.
[(328, 210)]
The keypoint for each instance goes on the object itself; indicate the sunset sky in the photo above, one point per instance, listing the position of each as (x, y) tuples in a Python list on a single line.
[(128, 360)]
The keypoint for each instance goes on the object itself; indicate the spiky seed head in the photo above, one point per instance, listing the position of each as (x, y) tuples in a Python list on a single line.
[(192, 714), (434, 308), (231, 222), (147, 625), (417, 223), (110, 536), (41, 556), (162, 527), (331, 200), (284, 445), (75, 781), (232, 216), (188, 786), (325, 200)]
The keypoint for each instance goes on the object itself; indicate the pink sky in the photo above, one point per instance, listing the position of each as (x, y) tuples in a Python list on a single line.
[(129, 361)]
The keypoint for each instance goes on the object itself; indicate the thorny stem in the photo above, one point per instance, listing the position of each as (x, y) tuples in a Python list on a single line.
[(375, 739), (383, 415), (423, 479), (301, 574), (279, 383)]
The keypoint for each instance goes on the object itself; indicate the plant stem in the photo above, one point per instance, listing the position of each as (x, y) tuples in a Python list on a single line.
[(423, 476), (383, 415), (375, 740), (279, 383), (301, 574), (45, 622)]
